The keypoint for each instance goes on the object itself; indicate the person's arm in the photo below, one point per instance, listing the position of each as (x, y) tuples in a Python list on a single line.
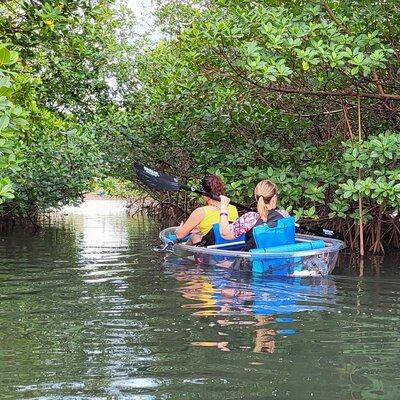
[(194, 219), (224, 229)]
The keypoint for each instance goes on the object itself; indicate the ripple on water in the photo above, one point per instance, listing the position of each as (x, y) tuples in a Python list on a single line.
[(88, 311)]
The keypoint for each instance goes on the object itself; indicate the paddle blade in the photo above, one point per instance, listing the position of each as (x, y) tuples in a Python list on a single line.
[(319, 231), (156, 180)]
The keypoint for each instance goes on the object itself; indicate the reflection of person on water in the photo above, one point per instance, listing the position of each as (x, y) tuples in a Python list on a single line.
[(198, 287), (218, 296), (201, 220), (264, 338), (266, 197)]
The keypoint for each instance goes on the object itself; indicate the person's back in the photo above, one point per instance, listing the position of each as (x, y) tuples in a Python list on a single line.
[(211, 217)]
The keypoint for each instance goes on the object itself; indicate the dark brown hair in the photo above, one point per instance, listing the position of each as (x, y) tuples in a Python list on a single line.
[(213, 184)]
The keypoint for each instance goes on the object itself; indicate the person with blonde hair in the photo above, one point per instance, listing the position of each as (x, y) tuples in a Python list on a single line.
[(266, 196)]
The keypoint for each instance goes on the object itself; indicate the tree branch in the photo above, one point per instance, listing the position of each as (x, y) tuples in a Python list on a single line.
[(347, 93), (294, 90), (344, 28)]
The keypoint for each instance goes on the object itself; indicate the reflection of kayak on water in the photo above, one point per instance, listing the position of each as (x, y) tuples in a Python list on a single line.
[(307, 255), (275, 296), (225, 292), (290, 295), (267, 305)]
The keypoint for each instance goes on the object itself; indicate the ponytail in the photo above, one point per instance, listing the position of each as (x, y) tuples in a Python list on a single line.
[(264, 192), (262, 208)]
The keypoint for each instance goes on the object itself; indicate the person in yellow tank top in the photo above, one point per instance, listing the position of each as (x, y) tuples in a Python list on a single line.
[(201, 219)]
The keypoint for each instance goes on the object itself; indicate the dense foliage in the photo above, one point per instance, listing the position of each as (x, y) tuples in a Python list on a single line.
[(270, 89), (59, 63)]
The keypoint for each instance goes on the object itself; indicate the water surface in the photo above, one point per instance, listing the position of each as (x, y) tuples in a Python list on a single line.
[(89, 311)]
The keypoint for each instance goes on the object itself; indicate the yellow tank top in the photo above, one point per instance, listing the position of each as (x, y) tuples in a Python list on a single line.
[(211, 216)]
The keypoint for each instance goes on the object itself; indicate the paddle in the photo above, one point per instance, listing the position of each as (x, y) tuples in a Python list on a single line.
[(160, 181)]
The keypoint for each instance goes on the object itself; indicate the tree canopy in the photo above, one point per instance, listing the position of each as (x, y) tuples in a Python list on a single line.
[(60, 62)]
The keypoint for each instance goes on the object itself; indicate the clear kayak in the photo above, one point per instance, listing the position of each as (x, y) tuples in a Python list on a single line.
[(309, 255)]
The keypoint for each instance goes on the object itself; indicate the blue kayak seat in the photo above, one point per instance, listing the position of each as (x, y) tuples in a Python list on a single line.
[(279, 239), (272, 266), (220, 240), (172, 238), (283, 233), (282, 266)]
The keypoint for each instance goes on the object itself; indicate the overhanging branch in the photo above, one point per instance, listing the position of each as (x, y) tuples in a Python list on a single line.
[(307, 92), (346, 93)]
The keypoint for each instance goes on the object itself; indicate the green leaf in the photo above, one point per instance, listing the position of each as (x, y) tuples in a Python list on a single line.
[(4, 91), (5, 56), (5, 81), (4, 121), (13, 57)]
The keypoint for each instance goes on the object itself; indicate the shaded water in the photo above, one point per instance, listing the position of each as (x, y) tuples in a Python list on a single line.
[(89, 311)]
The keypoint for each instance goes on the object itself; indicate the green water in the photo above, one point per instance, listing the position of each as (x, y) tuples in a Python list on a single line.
[(89, 311)]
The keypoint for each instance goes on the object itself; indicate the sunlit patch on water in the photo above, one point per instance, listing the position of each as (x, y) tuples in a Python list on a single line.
[(97, 208)]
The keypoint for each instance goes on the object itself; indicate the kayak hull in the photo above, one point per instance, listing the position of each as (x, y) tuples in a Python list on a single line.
[(320, 261)]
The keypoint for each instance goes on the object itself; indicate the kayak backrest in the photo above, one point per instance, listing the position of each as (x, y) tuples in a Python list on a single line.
[(220, 240), (283, 233)]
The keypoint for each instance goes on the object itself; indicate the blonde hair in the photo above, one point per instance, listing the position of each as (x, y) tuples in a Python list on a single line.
[(264, 192)]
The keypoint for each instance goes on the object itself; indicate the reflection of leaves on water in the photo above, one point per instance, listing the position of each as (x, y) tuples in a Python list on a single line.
[(378, 389), (348, 370)]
